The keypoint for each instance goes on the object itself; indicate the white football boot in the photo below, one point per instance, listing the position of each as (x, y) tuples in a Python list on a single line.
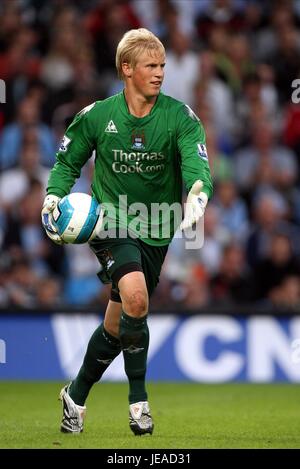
[(73, 414), (140, 420)]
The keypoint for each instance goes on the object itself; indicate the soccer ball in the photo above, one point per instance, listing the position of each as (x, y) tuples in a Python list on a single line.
[(76, 218)]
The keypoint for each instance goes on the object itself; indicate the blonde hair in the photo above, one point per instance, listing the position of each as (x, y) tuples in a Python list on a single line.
[(134, 43)]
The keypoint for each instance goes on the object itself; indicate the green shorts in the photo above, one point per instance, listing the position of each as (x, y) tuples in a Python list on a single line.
[(118, 257)]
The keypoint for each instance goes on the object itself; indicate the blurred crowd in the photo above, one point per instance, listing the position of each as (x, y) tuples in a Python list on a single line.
[(234, 62)]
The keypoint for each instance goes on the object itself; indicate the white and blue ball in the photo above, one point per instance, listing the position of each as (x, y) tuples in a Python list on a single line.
[(76, 218)]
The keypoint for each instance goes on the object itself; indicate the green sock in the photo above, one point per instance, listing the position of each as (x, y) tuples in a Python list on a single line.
[(102, 349), (134, 338)]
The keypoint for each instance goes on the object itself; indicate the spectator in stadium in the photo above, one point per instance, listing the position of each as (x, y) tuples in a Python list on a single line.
[(13, 135), (209, 89), (255, 95), (279, 264), (270, 216), (232, 209), (181, 66), (138, 119), (48, 294), (218, 13), (20, 177), (20, 283), (264, 148), (25, 238), (233, 284), (286, 296), (285, 62)]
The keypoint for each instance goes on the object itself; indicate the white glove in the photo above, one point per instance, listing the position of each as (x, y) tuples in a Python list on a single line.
[(195, 205), (49, 205)]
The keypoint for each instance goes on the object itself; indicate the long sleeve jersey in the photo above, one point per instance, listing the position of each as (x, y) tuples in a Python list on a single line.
[(144, 160)]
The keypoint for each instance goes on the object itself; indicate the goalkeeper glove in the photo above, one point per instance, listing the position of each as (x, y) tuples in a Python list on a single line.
[(49, 205), (195, 205)]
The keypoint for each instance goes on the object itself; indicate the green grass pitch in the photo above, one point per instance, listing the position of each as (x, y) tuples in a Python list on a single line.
[(185, 416)]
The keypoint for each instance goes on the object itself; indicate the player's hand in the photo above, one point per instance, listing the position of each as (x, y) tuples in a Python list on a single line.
[(195, 206), (49, 205)]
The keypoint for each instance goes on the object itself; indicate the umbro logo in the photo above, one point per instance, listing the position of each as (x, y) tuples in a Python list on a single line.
[(111, 128), (104, 362), (133, 349)]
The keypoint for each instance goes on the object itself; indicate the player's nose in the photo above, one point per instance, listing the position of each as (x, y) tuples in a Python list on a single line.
[(159, 73)]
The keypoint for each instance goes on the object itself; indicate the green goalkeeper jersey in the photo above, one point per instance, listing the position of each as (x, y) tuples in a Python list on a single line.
[(141, 159)]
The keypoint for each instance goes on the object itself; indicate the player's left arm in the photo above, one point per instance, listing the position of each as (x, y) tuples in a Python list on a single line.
[(194, 164)]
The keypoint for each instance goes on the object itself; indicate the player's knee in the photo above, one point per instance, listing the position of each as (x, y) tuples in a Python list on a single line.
[(136, 304)]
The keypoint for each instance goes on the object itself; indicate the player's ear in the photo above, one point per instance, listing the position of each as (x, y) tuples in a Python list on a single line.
[(127, 69)]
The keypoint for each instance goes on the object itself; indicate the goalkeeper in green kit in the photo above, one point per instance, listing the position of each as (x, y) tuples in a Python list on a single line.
[(145, 143)]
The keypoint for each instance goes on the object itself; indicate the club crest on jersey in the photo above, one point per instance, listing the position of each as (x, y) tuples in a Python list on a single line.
[(138, 141)]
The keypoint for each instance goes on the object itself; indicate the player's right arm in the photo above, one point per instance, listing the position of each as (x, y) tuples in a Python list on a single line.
[(76, 148)]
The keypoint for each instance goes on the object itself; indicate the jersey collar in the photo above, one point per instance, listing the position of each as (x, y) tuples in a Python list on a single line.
[(134, 119)]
